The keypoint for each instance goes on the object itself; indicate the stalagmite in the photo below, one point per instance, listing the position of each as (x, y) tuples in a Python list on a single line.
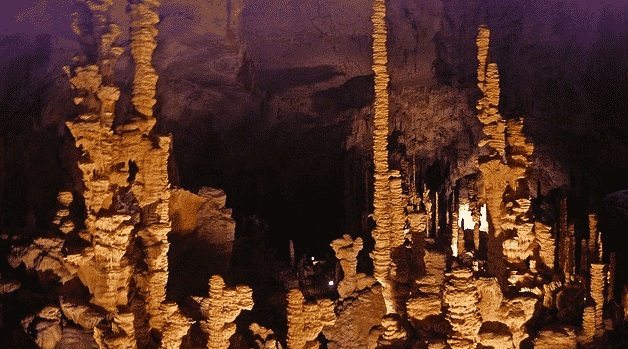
[(307, 319), (588, 324), (546, 242), (382, 197), (61, 220), (220, 309), (461, 300), (497, 174), (347, 250), (598, 280), (143, 43), (176, 326), (592, 236), (584, 262)]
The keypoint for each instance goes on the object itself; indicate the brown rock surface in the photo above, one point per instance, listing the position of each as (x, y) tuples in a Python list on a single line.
[(307, 319), (220, 309)]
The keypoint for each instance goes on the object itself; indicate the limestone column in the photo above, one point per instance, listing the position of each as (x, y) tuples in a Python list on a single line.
[(584, 262), (461, 299), (382, 196), (598, 280)]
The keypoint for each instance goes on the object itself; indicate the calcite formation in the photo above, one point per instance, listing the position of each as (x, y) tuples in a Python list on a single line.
[(44, 254), (119, 334), (546, 243), (356, 317), (598, 281), (382, 196), (143, 33), (556, 337), (506, 162), (61, 220), (220, 309), (264, 338), (347, 250), (176, 326), (307, 319), (461, 302), (126, 195)]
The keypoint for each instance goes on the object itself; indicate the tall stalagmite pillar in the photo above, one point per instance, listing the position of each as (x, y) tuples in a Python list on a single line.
[(611, 278), (598, 281), (382, 210)]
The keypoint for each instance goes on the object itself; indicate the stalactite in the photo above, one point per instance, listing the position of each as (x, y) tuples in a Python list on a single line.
[(307, 319), (220, 309)]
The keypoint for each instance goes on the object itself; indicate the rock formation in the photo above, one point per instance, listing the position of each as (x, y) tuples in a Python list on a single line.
[(143, 33), (347, 250), (264, 338), (307, 319), (461, 303), (383, 214), (220, 309), (598, 281), (175, 327), (356, 317), (556, 337)]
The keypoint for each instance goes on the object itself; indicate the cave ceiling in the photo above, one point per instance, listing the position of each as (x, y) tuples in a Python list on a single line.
[(268, 98)]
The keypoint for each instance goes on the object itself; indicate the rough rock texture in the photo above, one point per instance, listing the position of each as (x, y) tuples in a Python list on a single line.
[(598, 281), (42, 255), (460, 297), (356, 316), (307, 319), (381, 202), (264, 338), (61, 220), (80, 314), (504, 162), (176, 326), (143, 43), (347, 250), (220, 309), (556, 337), (76, 338), (395, 335), (119, 334), (547, 244)]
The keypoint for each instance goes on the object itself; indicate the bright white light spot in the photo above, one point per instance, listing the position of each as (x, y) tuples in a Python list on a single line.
[(312, 258), (483, 222), (465, 214), (331, 283)]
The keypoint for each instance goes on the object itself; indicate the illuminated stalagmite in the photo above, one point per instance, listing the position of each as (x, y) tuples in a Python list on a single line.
[(382, 212), (598, 280), (220, 309), (347, 250), (461, 301), (143, 33), (126, 180), (502, 166), (307, 319)]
